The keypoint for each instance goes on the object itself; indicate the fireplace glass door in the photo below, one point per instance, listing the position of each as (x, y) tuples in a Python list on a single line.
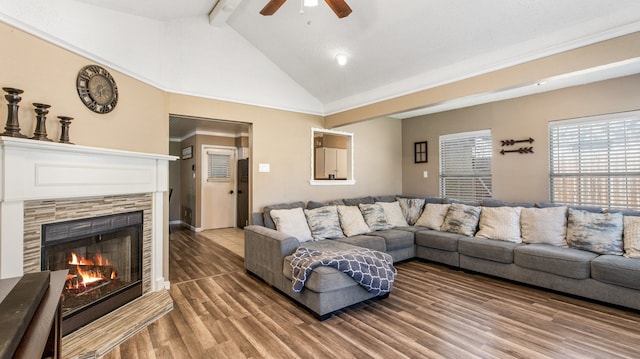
[(103, 257)]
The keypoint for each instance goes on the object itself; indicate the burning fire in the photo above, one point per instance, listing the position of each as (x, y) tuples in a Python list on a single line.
[(86, 276), (98, 260)]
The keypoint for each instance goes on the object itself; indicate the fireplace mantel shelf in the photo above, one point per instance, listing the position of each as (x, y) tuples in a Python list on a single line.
[(22, 143)]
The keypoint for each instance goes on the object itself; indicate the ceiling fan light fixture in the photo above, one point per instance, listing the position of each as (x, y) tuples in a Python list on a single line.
[(310, 3)]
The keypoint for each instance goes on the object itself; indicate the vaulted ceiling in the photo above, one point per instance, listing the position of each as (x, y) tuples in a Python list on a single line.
[(288, 60)]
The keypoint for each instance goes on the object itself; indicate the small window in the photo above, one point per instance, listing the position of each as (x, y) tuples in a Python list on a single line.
[(596, 161), (218, 167), (331, 158), (465, 165)]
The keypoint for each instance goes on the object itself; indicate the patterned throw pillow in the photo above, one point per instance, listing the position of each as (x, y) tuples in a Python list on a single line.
[(292, 222), (374, 216), (351, 221), (544, 225), (433, 215), (461, 219), (500, 223), (631, 237), (411, 208), (324, 222), (394, 214), (595, 232)]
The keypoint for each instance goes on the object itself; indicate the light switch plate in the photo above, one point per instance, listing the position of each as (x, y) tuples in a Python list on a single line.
[(425, 174), (264, 167)]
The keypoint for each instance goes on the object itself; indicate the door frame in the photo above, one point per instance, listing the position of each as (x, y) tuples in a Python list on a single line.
[(203, 171)]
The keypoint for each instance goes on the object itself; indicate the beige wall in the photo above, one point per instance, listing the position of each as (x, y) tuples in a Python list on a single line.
[(516, 177), (283, 140), (47, 74)]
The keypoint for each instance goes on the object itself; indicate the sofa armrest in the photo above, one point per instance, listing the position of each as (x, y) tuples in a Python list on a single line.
[(264, 252)]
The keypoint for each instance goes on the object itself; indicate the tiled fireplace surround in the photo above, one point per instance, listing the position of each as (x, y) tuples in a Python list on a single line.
[(44, 182)]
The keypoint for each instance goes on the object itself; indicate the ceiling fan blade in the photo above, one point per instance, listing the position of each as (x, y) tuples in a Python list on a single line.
[(272, 7), (340, 7)]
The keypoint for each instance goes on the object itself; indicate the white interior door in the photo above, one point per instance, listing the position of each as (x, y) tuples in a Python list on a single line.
[(218, 204)]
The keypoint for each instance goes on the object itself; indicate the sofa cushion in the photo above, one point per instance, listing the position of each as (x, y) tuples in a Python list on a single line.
[(352, 221), (489, 249), (411, 208), (433, 215), (266, 212), (617, 270), (544, 225), (500, 223), (439, 240), (395, 238), (567, 262), (631, 236), (324, 222), (366, 241), (322, 279), (357, 201), (394, 214), (490, 202), (596, 232), (461, 219), (374, 216), (292, 222)]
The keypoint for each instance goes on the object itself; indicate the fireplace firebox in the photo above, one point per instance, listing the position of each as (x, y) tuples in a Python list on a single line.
[(104, 258)]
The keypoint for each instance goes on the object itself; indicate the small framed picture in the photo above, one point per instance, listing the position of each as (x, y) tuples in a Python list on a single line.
[(187, 152), (420, 152)]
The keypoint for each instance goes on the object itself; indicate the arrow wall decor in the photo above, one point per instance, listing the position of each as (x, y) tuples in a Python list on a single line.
[(520, 150), (513, 142)]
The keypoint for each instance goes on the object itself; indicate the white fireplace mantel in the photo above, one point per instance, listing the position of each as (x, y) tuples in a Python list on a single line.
[(40, 170)]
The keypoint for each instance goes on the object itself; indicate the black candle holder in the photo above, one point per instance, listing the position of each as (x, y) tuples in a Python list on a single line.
[(41, 126), (64, 134), (12, 127)]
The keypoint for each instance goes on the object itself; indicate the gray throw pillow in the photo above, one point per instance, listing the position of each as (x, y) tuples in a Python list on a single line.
[(595, 232), (374, 216), (324, 222), (462, 219), (411, 208)]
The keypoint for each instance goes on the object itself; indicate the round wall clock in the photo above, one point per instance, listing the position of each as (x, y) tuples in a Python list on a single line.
[(97, 89)]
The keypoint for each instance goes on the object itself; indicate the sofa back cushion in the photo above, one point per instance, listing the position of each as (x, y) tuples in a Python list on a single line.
[(596, 232), (292, 222), (544, 225), (324, 222)]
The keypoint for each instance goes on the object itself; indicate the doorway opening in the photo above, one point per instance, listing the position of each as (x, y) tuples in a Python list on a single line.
[(209, 149)]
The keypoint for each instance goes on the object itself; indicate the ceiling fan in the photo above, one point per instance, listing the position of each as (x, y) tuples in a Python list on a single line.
[(340, 7)]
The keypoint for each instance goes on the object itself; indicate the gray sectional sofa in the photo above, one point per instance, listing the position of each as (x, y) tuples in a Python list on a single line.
[(578, 251)]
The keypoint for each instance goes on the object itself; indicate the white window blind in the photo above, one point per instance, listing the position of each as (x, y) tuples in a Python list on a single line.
[(596, 161), (465, 165), (219, 166)]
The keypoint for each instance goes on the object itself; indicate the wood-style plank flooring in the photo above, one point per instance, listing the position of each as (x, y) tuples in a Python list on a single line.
[(433, 312)]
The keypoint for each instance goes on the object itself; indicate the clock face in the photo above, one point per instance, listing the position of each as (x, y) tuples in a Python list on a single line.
[(97, 89)]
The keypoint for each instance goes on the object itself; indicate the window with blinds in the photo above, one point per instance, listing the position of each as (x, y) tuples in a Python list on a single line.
[(596, 161), (465, 165), (218, 167)]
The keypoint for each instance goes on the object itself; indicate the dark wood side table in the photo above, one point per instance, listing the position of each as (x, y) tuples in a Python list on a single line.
[(38, 334)]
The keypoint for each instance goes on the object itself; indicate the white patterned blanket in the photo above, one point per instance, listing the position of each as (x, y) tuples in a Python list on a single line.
[(367, 267)]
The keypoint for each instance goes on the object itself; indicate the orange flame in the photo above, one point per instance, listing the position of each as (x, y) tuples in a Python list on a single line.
[(88, 276)]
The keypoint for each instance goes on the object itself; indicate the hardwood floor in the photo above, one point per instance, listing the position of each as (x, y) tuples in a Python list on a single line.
[(433, 312)]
